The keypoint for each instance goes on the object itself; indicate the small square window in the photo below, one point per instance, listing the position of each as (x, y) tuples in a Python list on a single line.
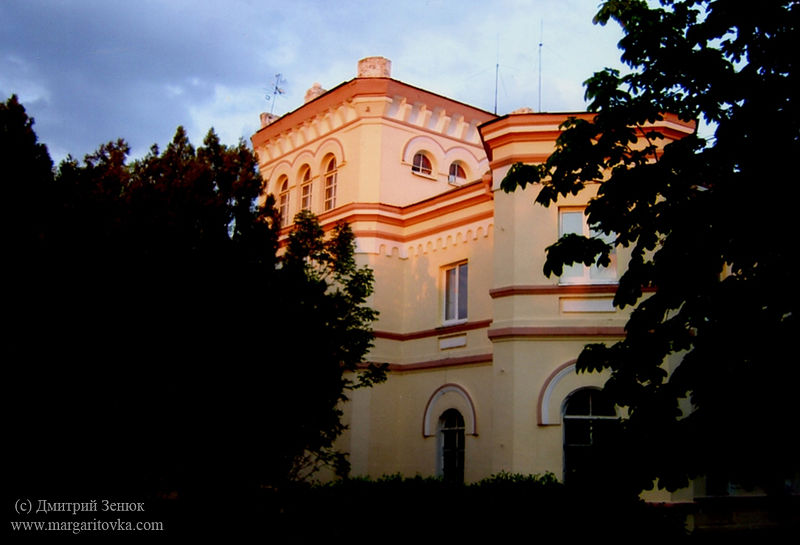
[(573, 220)]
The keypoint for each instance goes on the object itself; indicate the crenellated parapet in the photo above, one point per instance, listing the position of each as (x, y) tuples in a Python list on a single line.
[(372, 95), (394, 144)]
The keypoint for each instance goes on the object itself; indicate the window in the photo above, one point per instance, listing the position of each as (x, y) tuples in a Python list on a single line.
[(451, 446), (421, 164), (305, 189), (455, 292), (283, 200), (330, 184), (456, 174), (590, 423), (573, 220)]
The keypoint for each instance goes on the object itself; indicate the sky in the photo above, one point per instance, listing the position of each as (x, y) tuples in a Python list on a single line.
[(92, 71)]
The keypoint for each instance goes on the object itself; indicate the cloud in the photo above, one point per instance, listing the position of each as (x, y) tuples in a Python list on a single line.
[(90, 71), (229, 112)]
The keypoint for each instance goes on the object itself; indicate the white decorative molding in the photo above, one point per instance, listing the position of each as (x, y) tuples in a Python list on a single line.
[(587, 304), (545, 417), (558, 387), (446, 238), (457, 341), (459, 399)]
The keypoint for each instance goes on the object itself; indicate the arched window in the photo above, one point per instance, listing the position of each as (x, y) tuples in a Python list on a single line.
[(330, 184), (451, 446), (590, 424), (283, 200), (421, 164), (305, 188), (456, 174)]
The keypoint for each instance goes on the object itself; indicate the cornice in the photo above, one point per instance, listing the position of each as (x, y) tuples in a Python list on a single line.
[(551, 289), (557, 289), (459, 215), (546, 127), (441, 363), (352, 101), (538, 332), (433, 332)]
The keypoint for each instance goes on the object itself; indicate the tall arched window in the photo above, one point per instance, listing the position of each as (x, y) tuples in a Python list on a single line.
[(330, 184), (590, 424), (283, 200), (421, 164), (305, 188), (451, 446)]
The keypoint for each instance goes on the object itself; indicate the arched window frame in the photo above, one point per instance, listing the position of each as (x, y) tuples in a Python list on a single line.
[(449, 396), (422, 164), (306, 194), (283, 199), (456, 174), (331, 174)]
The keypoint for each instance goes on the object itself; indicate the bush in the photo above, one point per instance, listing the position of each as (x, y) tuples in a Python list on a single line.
[(396, 509)]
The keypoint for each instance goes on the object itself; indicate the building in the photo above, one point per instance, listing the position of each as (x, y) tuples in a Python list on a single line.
[(481, 345)]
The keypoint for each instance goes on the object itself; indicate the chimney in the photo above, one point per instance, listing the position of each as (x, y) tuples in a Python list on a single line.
[(267, 119), (374, 67), (315, 91)]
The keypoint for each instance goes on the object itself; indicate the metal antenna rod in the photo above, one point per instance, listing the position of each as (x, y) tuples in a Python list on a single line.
[(276, 90), (541, 40), (496, 73)]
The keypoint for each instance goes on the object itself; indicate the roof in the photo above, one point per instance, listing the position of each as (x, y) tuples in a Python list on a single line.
[(367, 87)]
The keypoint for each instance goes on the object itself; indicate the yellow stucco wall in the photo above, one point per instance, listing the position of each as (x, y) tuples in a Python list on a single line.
[(508, 367)]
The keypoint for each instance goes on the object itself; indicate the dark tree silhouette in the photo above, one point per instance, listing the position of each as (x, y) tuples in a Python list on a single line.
[(710, 223), (157, 343)]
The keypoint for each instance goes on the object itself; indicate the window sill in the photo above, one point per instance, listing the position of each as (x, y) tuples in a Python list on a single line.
[(589, 283), (430, 177), (448, 323)]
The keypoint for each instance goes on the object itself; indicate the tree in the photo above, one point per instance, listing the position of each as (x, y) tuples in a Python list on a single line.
[(323, 300), (161, 342), (23, 158), (710, 222)]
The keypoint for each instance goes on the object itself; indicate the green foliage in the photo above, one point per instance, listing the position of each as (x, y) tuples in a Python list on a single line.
[(160, 344), (431, 510), (505, 479), (709, 224), (324, 311)]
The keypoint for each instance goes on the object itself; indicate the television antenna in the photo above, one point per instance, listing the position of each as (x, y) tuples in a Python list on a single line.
[(277, 89)]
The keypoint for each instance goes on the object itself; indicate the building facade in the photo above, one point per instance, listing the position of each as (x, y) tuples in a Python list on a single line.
[(481, 346)]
